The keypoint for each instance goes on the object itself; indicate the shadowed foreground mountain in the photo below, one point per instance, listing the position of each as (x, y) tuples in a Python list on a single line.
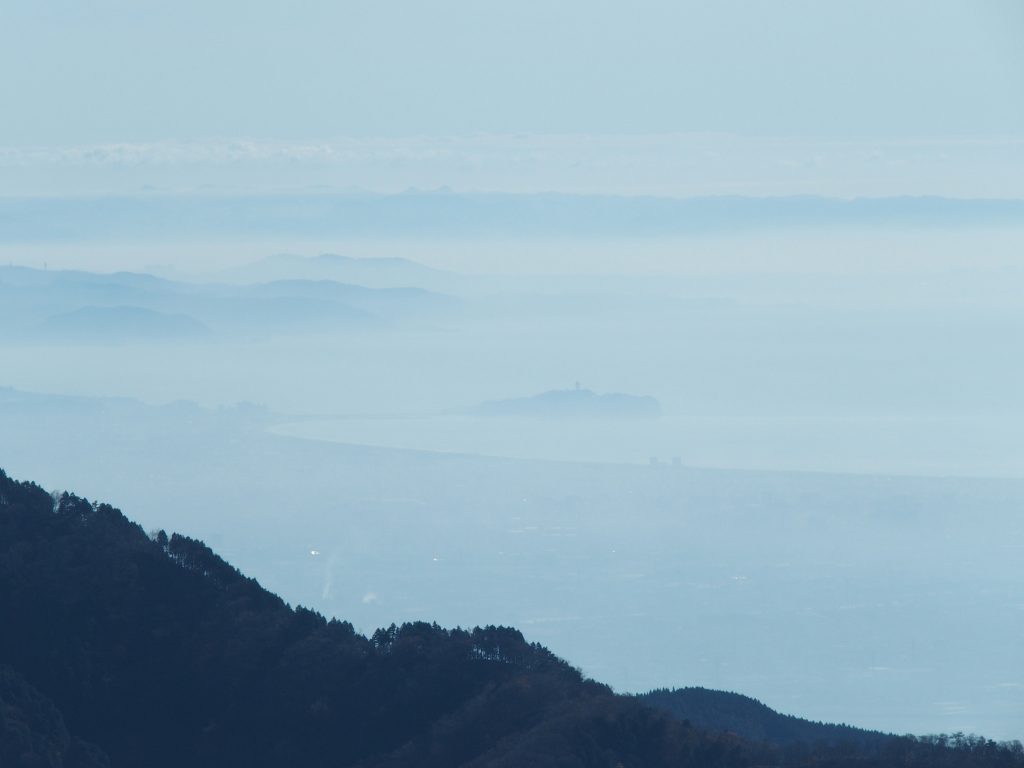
[(750, 719), (124, 649)]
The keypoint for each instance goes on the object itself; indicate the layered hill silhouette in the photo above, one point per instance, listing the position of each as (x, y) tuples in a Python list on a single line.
[(750, 719), (123, 648), (380, 272), (75, 306), (119, 324)]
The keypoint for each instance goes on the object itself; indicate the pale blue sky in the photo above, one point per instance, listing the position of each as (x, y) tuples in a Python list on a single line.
[(74, 72)]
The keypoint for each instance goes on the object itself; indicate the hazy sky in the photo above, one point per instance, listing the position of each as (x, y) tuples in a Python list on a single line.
[(667, 164), (141, 70), (665, 97)]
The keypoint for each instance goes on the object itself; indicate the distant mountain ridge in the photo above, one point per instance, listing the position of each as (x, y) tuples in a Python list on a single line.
[(120, 324), (444, 214), (71, 305), (376, 272)]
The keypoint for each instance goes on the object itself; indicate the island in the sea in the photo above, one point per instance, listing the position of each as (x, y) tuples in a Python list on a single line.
[(576, 403)]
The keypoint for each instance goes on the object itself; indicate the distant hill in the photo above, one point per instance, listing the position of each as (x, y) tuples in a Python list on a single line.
[(75, 306), (750, 719), (574, 404), (398, 301), (104, 282), (120, 324), (369, 272)]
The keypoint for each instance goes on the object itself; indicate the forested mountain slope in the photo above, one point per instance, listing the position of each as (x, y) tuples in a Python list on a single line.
[(752, 720), (159, 653)]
